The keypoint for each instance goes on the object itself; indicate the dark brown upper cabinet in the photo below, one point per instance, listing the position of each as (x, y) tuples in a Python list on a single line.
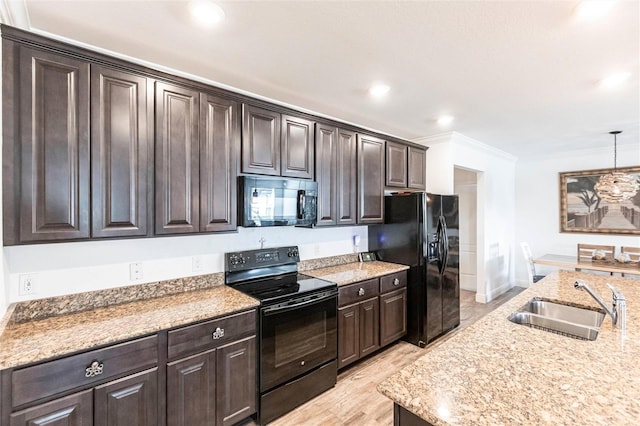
[(177, 159), (196, 138), (370, 179), (297, 147), (336, 175), (219, 141), (46, 153), (417, 173), (120, 146), (276, 144), (347, 197), (405, 166), (260, 141), (326, 174), (396, 165)]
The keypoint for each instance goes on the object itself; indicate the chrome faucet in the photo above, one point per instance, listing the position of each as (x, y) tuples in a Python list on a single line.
[(618, 310)]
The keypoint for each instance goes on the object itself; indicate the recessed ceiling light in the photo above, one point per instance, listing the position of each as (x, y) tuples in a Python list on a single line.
[(379, 90), (615, 80), (590, 10), (206, 11), (445, 120)]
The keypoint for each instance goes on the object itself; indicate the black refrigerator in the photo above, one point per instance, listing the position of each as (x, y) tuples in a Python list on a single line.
[(421, 231)]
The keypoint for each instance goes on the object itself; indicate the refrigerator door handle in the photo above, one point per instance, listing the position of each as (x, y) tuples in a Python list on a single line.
[(440, 233), (445, 244)]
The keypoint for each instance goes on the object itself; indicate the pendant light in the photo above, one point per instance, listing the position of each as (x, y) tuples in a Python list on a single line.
[(616, 187)]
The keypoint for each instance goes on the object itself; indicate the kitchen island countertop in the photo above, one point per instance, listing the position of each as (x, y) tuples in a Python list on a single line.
[(357, 271), (495, 372)]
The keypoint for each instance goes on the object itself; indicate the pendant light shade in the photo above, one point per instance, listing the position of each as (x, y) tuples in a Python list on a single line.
[(616, 187)]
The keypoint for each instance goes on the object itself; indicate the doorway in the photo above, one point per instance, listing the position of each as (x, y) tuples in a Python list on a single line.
[(465, 183)]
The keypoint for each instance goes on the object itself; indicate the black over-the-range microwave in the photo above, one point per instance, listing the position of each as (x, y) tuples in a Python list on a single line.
[(274, 201)]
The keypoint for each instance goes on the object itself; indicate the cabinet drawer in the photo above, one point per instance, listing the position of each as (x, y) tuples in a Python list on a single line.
[(209, 334), (357, 292), (47, 379), (393, 281)]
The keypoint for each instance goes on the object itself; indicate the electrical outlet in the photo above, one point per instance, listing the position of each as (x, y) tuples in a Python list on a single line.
[(135, 271), (27, 284), (196, 263)]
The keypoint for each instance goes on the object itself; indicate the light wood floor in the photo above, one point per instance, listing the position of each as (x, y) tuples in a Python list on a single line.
[(355, 400)]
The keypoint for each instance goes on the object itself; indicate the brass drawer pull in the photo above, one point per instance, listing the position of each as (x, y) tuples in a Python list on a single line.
[(361, 292), (218, 334), (396, 281), (94, 369)]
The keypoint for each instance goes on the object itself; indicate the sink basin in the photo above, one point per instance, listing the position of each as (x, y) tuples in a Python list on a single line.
[(568, 320)]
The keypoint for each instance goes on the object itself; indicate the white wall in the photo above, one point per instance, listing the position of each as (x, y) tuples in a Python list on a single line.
[(496, 207), (538, 203), (66, 268)]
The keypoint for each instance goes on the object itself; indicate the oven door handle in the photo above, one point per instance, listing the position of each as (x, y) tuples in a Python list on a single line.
[(279, 309)]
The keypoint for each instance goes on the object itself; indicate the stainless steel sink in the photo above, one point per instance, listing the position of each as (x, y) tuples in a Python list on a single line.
[(568, 320)]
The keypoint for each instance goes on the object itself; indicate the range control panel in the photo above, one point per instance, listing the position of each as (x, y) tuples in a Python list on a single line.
[(252, 259)]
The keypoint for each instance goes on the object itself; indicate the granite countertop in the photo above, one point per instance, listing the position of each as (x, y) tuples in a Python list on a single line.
[(44, 329), (38, 340), (495, 372), (354, 272)]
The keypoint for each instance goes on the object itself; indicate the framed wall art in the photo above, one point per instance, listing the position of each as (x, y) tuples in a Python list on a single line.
[(582, 210)]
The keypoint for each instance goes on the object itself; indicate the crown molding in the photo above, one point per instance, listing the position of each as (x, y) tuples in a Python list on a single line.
[(14, 13), (467, 142)]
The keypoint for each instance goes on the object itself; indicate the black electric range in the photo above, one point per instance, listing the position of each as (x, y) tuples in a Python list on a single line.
[(271, 275), (298, 339)]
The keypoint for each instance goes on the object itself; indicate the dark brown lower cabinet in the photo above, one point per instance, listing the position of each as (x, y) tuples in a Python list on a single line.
[(369, 326), (358, 331), (393, 316), (348, 334), (130, 401), (216, 387), (191, 390), (72, 410), (371, 314), (404, 417), (236, 381)]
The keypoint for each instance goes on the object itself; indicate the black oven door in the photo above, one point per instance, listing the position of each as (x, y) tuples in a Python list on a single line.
[(297, 336)]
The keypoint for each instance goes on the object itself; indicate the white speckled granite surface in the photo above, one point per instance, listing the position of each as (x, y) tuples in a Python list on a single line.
[(354, 272), (38, 340), (496, 372)]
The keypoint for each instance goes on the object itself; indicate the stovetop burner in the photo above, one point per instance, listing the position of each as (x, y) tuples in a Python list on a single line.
[(270, 275)]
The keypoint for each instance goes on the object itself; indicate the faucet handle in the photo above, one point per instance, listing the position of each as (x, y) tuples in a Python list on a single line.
[(617, 294)]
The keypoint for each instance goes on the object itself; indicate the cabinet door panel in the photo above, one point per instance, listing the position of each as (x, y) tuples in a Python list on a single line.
[(393, 316), (72, 410), (236, 381), (191, 390), (417, 174), (260, 141), (369, 326), (119, 153), (348, 335), (219, 137), (346, 171), (297, 147), (370, 179), (177, 160), (326, 168), (396, 165), (54, 109), (130, 401)]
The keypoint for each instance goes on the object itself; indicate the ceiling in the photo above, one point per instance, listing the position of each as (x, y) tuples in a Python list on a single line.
[(521, 76)]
